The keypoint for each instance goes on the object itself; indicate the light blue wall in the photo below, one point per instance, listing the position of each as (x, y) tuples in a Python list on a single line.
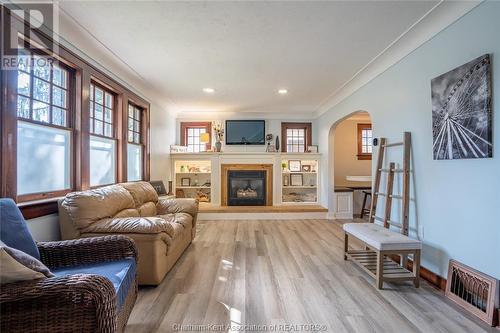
[(457, 201)]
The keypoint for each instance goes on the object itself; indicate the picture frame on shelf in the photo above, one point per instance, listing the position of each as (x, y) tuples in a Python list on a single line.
[(296, 180), (159, 187), (312, 149), (178, 149), (294, 165), (186, 181), (306, 168)]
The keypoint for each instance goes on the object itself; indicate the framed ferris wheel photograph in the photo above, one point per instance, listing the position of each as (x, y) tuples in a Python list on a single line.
[(461, 112)]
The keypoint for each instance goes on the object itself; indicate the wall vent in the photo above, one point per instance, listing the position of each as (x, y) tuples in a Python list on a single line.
[(474, 291)]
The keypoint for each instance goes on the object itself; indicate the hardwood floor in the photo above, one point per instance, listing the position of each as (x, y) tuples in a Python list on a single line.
[(272, 272)]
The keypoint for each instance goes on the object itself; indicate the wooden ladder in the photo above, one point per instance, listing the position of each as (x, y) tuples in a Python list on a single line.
[(389, 196)]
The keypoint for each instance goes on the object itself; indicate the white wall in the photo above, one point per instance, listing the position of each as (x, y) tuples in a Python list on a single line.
[(456, 201), (346, 151), (273, 126)]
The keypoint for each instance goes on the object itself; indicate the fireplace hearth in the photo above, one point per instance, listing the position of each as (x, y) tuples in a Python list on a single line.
[(246, 188)]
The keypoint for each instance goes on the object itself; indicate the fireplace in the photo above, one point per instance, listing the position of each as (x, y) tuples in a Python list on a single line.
[(246, 188), (246, 184)]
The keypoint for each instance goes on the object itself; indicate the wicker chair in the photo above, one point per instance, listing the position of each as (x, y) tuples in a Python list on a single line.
[(71, 302)]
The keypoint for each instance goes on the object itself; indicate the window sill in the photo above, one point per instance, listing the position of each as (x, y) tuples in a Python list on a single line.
[(364, 157), (38, 208)]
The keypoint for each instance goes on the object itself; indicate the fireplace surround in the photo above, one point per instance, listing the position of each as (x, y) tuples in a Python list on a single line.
[(246, 184), (246, 188)]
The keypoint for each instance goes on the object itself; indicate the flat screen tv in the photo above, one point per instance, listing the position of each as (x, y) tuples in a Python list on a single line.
[(245, 132)]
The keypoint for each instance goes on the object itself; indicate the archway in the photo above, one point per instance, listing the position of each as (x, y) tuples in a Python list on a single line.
[(349, 163)]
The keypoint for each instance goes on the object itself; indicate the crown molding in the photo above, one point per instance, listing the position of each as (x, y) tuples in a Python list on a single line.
[(433, 22)]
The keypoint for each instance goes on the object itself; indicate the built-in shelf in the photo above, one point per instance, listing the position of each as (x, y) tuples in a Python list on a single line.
[(307, 192), (185, 187), (305, 186), (197, 171)]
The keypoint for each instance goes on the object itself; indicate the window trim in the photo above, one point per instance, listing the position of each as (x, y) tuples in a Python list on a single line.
[(362, 156), (185, 125), (307, 127), (83, 74)]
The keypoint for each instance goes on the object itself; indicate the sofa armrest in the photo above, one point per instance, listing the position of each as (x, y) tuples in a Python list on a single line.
[(184, 205), (86, 250), (71, 303)]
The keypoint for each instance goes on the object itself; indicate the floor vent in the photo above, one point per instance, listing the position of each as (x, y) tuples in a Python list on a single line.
[(474, 291)]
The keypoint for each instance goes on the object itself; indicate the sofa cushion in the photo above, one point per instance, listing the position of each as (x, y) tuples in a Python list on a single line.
[(87, 207), (17, 266), (134, 225), (381, 238), (121, 273), (147, 209), (13, 229), (142, 192)]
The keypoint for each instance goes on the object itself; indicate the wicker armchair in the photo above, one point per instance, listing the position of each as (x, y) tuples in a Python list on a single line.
[(71, 302)]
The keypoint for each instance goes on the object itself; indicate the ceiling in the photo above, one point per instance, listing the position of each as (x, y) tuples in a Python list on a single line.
[(246, 50)]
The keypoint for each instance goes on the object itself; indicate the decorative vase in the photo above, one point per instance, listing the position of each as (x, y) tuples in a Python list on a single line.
[(218, 146), (277, 143)]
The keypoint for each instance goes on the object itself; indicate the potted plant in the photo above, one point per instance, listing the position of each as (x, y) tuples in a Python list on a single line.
[(219, 134)]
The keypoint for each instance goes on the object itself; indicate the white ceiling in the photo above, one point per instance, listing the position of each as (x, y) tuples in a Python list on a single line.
[(247, 50)]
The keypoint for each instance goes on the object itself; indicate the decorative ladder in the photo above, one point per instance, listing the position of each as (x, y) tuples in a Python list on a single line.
[(389, 196)]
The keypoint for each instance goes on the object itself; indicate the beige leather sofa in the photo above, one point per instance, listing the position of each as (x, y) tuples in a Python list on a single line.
[(161, 228)]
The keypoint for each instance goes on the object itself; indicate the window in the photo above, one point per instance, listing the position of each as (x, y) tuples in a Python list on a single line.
[(296, 137), (102, 138), (42, 92), (365, 141), (44, 134), (191, 136), (134, 146)]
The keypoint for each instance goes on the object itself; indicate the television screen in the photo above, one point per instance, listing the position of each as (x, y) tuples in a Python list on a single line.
[(245, 132)]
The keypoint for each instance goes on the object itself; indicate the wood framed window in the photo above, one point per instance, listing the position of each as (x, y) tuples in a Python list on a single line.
[(365, 138), (51, 126), (135, 146), (295, 137), (44, 128), (102, 141), (191, 136)]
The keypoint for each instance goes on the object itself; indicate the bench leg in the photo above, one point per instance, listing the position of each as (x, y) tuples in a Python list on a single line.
[(380, 270), (346, 245), (404, 260), (416, 268)]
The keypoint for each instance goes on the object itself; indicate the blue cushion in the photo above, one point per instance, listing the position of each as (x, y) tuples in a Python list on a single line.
[(121, 273), (13, 229)]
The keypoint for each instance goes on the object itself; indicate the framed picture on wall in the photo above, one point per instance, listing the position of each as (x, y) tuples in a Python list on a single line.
[(296, 180), (294, 165), (461, 112)]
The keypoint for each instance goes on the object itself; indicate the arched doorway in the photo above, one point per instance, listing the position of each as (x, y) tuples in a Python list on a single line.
[(350, 165)]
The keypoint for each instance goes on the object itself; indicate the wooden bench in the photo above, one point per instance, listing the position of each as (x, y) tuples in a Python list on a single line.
[(381, 243)]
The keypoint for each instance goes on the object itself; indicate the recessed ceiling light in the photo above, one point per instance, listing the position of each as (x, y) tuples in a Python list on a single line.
[(209, 90), (282, 91)]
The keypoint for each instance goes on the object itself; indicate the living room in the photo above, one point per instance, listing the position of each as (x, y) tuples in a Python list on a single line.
[(249, 166)]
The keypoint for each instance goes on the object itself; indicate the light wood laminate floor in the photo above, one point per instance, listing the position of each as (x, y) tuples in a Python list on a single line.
[(270, 272)]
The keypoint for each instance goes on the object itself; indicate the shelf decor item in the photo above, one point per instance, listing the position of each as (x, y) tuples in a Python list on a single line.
[(185, 181), (296, 180), (312, 149), (306, 168), (284, 166), (277, 144), (294, 165), (286, 180), (219, 135)]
